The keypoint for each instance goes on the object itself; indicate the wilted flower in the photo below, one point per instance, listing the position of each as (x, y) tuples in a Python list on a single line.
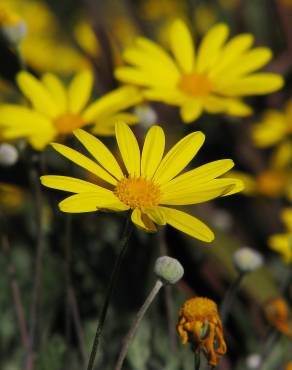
[(57, 111), (151, 182), (168, 269), (289, 366), (247, 259), (277, 313), (8, 154), (199, 324), (282, 243), (214, 79)]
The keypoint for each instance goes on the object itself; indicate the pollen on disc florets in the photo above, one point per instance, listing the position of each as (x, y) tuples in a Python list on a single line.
[(138, 192), (194, 84)]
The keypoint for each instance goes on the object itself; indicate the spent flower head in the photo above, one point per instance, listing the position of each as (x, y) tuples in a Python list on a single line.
[(199, 324), (278, 315), (247, 259), (212, 79), (151, 182)]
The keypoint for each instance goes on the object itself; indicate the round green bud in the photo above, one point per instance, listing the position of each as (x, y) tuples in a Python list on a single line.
[(168, 270)]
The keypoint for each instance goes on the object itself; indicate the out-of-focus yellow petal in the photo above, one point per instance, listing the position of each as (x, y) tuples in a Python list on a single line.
[(57, 91), (37, 94), (282, 156), (168, 96), (106, 126), (182, 46), (249, 182), (281, 243), (236, 107), (178, 157), (270, 130), (152, 152), (79, 91), (287, 218), (188, 224), (72, 184), (100, 152), (90, 202), (191, 110), (119, 99), (211, 47), (129, 149), (142, 221), (84, 162)]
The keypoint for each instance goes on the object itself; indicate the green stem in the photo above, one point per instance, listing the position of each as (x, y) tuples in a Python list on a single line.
[(124, 244), (136, 323)]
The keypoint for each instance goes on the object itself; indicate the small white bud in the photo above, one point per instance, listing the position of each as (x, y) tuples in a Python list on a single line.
[(222, 220), (14, 33), (8, 155), (253, 361), (168, 270), (247, 260), (146, 114)]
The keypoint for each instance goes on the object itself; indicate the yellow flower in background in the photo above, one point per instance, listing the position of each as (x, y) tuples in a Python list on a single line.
[(151, 182), (274, 128), (199, 323), (282, 243), (45, 38), (58, 111), (212, 79)]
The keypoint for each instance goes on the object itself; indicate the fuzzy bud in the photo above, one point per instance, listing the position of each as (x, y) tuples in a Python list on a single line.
[(8, 155), (146, 114), (247, 260), (168, 270)]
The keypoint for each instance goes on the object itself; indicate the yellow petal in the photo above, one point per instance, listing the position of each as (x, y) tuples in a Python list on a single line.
[(191, 110), (142, 77), (37, 94), (179, 157), (210, 47), (166, 95), (156, 215), (287, 218), (100, 152), (57, 91), (190, 193), (199, 175), (84, 162), (90, 202), (182, 46), (72, 185), (79, 91), (142, 221), (236, 107), (129, 149), (256, 84), (188, 224), (113, 102), (271, 130), (152, 152), (281, 243), (40, 141), (106, 126)]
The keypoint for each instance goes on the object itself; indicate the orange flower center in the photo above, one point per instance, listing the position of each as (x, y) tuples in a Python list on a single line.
[(68, 122), (271, 183), (138, 192), (195, 84)]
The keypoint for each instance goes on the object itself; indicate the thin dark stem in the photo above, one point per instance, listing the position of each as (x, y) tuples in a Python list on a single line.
[(229, 297), (19, 309), (36, 294), (124, 244), (136, 323), (197, 361)]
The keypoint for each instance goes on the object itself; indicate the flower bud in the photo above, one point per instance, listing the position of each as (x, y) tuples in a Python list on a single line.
[(247, 260), (8, 155), (12, 26), (253, 361), (146, 114), (168, 270)]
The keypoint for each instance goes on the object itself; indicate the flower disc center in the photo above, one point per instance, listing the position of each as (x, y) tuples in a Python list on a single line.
[(68, 122), (195, 84), (138, 192)]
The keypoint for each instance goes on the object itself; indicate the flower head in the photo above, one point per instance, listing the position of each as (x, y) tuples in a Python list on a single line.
[(199, 323), (150, 182), (212, 79), (277, 313), (282, 243), (247, 259), (57, 111), (168, 270)]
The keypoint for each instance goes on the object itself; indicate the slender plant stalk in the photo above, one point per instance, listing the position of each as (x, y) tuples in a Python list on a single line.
[(40, 244), (136, 323), (19, 309), (197, 360), (124, 244), (229, 297)]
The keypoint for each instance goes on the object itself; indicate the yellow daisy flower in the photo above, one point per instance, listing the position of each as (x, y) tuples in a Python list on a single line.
[(58, 111), (274, 128), (150, 183), (282, 243), (212, 79)]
